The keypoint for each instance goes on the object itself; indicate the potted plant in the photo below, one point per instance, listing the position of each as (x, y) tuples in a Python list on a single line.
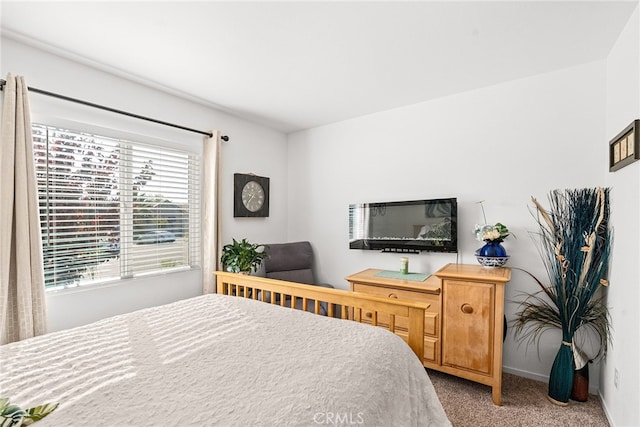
[(574, 242), (242, 256)]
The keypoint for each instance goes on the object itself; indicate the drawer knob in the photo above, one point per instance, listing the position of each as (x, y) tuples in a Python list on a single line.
[(466, 308), (392, 295), (368, 314)]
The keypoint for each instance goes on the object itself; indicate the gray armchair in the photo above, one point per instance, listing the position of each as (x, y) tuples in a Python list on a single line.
[(293, 262)]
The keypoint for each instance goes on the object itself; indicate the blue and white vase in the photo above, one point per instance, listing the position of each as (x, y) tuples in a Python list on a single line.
[(493, 248), (492, 254)]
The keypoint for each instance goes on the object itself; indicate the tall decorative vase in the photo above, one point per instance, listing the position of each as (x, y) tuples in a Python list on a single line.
[(561, 376), (580, 391)]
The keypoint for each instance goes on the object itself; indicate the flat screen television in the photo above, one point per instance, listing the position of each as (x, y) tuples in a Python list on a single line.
[(409, 226)]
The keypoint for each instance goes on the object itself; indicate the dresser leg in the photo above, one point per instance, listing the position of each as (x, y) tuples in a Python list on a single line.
[(496, 394)]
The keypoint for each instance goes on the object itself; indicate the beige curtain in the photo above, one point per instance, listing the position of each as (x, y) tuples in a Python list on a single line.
[(22, 296), (210, 218)]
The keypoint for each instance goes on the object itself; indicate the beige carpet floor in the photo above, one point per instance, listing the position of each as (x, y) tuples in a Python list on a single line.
[(524, 403)]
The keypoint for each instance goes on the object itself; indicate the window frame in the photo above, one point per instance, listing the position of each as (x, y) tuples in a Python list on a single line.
[(179, 143)]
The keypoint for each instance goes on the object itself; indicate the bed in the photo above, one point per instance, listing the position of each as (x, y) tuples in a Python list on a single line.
[(225, 360)]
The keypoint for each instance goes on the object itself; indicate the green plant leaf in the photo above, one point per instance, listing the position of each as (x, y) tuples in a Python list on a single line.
[(39, 412), (14, 416), (11, 415), (242, 256)]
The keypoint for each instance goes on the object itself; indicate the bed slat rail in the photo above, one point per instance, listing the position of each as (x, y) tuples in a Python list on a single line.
[(363, 308)]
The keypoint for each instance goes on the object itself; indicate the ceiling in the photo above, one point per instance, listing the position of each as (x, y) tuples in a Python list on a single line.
[(296, 65)]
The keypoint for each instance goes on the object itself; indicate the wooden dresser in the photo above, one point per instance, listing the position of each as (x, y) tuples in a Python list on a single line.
[(463, 326)]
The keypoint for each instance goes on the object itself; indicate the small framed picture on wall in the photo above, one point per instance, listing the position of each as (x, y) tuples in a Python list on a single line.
[(624, 149)]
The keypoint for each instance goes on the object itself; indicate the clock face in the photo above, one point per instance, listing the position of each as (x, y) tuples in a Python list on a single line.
[(252, 196)]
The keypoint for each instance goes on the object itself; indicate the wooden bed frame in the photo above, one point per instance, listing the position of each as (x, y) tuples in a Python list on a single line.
[(354, 306)]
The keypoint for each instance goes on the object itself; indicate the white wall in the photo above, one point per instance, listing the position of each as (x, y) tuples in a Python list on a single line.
[(501, 144), (623, 106), (252, 148)]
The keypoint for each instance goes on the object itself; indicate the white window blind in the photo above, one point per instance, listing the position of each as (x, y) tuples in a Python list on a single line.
[(112, 208)]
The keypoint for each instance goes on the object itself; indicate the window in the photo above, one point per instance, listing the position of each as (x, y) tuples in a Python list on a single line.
[(113, 209)]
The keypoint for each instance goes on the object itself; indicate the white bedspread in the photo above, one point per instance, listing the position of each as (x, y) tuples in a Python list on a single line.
[(218, 360)]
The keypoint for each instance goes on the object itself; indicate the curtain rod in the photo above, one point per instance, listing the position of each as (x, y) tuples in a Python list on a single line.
[(114, 110)]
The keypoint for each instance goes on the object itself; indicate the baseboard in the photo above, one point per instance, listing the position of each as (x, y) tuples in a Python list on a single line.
[(606, 410), (593, 388), (526, 374)]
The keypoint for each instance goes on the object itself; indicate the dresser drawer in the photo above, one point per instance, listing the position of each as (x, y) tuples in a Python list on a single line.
[(431, 349), (431, 323), (432, 314)]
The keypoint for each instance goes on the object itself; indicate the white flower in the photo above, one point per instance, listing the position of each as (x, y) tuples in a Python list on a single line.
[(492, 234), (487, 232)]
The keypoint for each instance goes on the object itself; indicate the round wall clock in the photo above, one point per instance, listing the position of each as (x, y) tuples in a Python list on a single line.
[(250, 195)]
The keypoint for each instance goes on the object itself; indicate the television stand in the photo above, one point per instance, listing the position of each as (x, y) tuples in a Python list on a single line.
[(463, 326)]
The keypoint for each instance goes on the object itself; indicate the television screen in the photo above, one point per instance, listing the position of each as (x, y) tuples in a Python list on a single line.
[(409, 226)]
